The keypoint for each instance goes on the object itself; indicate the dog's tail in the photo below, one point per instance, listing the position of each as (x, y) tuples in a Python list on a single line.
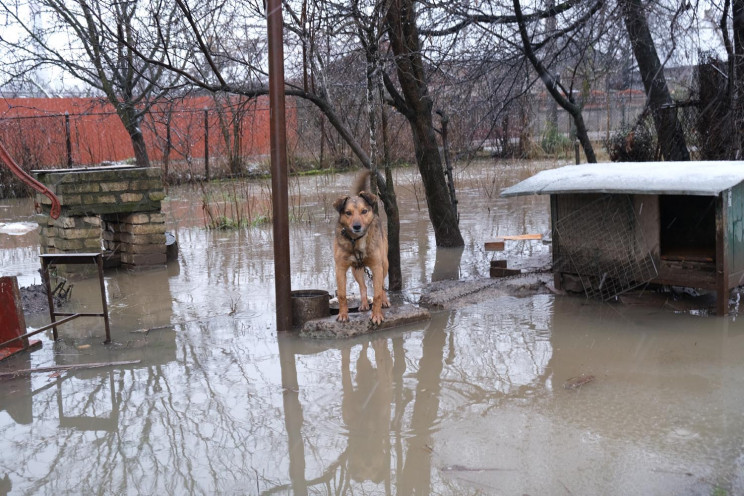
[(361, 183)]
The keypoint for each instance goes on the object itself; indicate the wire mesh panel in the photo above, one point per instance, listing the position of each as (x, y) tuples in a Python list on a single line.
[(602, 243)]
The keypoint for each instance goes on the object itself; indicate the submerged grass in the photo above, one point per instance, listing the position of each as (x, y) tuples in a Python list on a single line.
[(242, 203), (235, 204)]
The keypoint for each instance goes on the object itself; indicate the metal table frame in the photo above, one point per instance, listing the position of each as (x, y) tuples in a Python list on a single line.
[(49, 259)]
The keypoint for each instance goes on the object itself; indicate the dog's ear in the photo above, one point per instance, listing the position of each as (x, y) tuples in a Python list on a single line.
[(370, 199), (340, 203)]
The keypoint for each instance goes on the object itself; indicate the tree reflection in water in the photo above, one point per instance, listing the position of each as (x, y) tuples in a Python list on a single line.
[(215, 407)]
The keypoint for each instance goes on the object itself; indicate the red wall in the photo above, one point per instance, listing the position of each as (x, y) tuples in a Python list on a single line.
[(33, 130)]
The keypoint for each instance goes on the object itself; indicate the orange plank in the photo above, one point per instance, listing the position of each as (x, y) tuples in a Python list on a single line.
[(519, 237)]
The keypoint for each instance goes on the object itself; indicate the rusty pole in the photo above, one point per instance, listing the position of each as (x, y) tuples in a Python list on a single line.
[(279, 183), (68, 140), (206, 143)]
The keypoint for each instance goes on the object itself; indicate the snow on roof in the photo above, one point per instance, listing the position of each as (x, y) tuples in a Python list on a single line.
[(652, 178)]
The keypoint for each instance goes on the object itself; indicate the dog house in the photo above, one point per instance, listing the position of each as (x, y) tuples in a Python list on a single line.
[(617, 226)]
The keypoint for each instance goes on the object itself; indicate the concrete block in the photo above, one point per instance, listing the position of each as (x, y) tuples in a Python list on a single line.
[(146, 184), (359, 323), (143, 258), (143, 228), (157, 217), (92, 199), (142, 239), (110, 236), (131, 197), (115, 186), (92, 220), (137, 218), (144, 248), (69, 244), (65, 200), (65, 222), (79, 187), (79, 233), (92, 244)]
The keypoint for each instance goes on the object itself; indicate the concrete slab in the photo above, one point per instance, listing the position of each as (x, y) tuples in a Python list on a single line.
[(359, 323), (449, 295)]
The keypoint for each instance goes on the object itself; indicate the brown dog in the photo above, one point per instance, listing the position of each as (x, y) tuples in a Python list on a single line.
[(360, 241)]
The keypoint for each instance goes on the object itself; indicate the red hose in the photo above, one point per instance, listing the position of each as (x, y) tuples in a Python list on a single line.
[(28, 179)]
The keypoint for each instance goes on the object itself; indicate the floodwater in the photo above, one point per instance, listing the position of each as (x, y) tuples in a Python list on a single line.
[(471, 402)]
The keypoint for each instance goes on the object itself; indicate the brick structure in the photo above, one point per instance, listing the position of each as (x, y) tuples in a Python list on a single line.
[(115, 209)]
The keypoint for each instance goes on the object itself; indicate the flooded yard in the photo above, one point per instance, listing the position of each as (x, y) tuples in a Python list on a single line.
[(471, 402)]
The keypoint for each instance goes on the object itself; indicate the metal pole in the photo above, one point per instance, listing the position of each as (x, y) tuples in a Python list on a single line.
[(206, 143), (68, 140), (279, 183)]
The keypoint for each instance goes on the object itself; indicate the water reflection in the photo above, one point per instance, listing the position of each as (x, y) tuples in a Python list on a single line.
[(387, 416), (469, 403)]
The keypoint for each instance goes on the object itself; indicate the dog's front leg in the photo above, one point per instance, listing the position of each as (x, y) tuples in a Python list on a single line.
[(359, 276), (379, 294), (343, 305)]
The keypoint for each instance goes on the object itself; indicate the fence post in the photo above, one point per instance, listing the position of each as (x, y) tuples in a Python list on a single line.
[(68, 140), (206, 143)]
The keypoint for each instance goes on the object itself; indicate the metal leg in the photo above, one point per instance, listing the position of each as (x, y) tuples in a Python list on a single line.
[(50, 298), (99, 261)]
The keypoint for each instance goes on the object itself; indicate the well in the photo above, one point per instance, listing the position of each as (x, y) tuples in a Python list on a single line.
[(114, 209)]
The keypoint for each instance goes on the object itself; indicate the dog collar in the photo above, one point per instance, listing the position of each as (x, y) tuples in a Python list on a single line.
[(357, 254), (346, 235)]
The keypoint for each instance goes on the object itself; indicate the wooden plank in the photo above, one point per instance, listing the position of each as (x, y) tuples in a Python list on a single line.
[(498, 264), (498, 244), (521, 237), (495, 245)]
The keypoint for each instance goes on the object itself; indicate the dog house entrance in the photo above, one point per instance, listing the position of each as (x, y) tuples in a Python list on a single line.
[(687, 228)]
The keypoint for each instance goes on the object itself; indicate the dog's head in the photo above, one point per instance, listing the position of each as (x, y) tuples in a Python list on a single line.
[(356, 212)]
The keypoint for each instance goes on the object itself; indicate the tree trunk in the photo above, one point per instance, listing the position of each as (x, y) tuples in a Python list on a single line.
[(738, 74), (417, 108), (140, 148), (132, 123), (668, 128), (390, 201)]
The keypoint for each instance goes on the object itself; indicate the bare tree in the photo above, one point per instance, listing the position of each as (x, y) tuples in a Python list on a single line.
[(659, 100), (93, 41), (415, 103), (565, 98)]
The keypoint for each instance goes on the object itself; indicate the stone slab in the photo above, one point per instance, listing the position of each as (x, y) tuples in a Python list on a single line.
[(359, 323), (448, 295)]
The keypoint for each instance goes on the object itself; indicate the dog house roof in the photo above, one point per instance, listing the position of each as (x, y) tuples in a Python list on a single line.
[(650, 178)]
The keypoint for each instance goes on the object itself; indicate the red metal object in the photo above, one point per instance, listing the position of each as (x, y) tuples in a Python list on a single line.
[(28, 179), (12, 321)]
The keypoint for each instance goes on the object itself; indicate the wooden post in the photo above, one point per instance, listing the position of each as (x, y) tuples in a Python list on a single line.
[(722, 267)]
